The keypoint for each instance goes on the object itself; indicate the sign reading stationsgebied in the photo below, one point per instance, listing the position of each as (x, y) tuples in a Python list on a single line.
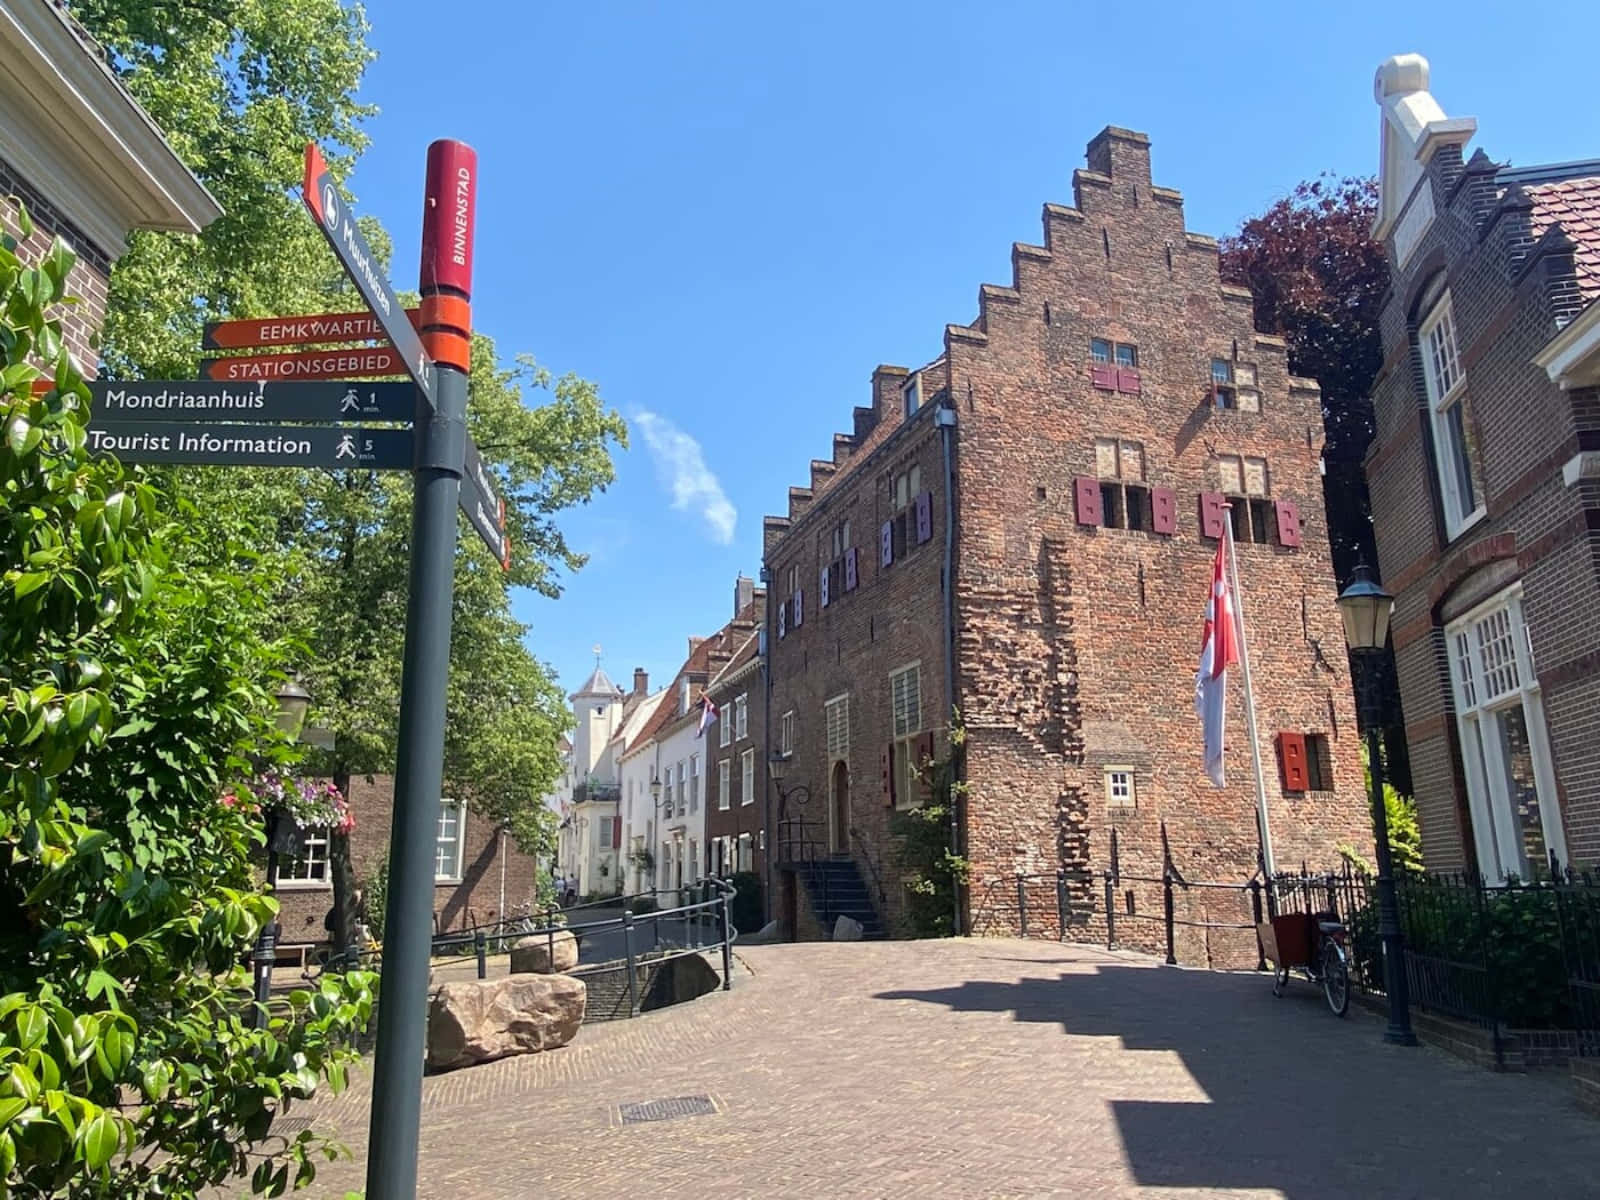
[(208, 400), (178, 442), (307, 364), (338, 225)]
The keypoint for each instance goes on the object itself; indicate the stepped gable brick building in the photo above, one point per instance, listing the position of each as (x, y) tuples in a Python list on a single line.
[(1485, 482), (1023, 530)]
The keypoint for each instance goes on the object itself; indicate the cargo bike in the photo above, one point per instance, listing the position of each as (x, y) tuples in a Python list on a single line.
[(1316, 946)]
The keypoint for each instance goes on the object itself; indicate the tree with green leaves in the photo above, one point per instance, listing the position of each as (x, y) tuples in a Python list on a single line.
[(243, 85), (133, 696)]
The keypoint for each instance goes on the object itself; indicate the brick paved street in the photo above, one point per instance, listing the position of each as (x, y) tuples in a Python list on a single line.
[(991, 1068)]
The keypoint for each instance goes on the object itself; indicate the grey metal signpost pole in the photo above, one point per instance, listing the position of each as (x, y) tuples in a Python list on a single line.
[(408, 927)]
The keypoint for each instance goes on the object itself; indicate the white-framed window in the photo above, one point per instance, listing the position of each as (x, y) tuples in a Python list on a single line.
[(746, 859), (747, 777), (1119, 787), (1247, 483), (683, 789), (311, 864), (907, 487), (1447, 402), (1103, 351), (683, 697), (1516, 821), (905, 703), (724, 783), (725, 726), (741, 716), (606, 833), (836, 719), (786, 733), (447, 841), (694, 783), (694, 861), (913, 395)]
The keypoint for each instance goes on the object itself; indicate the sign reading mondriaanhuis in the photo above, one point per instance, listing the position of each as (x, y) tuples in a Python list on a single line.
[(206, 400)]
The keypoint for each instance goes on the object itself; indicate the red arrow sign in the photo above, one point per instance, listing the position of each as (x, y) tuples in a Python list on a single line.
[(297, 331), (308, 364)]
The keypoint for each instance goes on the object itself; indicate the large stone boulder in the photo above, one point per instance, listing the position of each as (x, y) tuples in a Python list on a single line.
[(545, 954), (847, 929), (483, 1019), (770, 932)]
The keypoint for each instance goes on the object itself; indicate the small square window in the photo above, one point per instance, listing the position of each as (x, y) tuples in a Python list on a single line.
[(1099, 350), (1221, 371), (1127, 356), (1137, 505), (913, 395), (1111, 505), (1119, 787), (1223, 393)]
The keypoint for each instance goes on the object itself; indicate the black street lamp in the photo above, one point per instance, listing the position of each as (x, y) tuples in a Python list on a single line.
[(1366, 609)]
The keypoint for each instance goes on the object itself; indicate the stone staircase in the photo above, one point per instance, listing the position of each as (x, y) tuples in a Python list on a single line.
[(836, 889)]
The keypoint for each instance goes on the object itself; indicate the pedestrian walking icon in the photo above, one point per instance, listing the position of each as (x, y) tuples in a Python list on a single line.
[(346, 447), (351, 402)]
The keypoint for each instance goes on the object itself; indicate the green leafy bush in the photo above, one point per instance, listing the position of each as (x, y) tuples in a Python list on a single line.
[(133, 695)]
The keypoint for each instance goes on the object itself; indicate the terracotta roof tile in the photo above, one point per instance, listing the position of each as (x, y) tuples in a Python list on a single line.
[(1574, 204)]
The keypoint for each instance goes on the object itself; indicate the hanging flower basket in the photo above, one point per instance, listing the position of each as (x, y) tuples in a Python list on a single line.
[(295, 807)]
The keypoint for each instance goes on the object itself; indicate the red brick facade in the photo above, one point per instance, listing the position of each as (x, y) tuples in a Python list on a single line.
[(733, 834), (1075, 643), (490, 862), (1512, 254), (80, 322)]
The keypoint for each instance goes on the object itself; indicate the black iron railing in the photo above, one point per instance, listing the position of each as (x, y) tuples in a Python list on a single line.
[(1041, 903), (702, 922), (864, 853), (1500, 955)]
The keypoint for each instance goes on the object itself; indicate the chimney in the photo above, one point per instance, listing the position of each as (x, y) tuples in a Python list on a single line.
[(641, 681), (744, 593), (1123, 154)]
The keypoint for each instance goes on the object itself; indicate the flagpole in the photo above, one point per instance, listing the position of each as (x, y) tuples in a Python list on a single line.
[(1249, 697)]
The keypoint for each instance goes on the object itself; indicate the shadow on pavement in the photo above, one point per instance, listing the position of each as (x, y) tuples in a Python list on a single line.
[(1301, 1101)]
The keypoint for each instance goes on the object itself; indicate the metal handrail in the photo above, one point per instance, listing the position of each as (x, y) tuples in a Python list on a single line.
[(866, 855)]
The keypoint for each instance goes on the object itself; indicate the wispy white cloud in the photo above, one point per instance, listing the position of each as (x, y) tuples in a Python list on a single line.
[(681, 466)]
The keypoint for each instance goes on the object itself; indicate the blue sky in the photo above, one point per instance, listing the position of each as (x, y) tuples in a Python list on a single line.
[(727, 214)]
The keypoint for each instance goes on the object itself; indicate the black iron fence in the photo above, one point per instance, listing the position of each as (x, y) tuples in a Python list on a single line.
[(1035, 905), (1510, 955), (698, 920)]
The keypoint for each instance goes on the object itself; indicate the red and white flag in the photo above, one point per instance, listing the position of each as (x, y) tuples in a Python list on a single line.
[(1218, 651)]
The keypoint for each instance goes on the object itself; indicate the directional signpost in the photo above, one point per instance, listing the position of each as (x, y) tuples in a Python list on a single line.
[(308, 364), (338, 225), (206, 400), (253, 445), (486, 512), (313, 329)]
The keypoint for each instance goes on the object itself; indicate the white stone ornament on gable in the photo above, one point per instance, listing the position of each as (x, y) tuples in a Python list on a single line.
[(1414, 128)]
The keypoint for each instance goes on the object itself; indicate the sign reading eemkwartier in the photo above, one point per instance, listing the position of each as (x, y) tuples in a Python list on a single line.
[(252, 445), (210, 399)]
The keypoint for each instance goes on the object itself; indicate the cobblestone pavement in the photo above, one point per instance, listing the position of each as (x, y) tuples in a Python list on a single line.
[(990, 1068)]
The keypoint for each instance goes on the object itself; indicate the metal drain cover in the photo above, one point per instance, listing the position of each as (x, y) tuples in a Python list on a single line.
[(667, 1110)]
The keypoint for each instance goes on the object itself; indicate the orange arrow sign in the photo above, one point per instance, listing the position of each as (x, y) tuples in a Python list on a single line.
[(297, 331), (308, 364)]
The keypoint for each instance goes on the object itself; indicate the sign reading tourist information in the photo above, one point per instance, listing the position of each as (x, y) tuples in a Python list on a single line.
[(307, 364), (486, 512), (338, 225), (253, 445), (209, 400), (309, 330)]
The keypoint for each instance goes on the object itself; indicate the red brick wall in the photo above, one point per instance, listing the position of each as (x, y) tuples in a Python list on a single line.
[(740, 818), (1078, 645), (473, 901), (79, 322)]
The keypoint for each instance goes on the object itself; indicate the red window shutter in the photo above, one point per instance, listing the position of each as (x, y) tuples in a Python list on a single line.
[(888, 774), (1103, 377), (1086, 492), (924, 517), (886, 544), (1288, 523), (1213, 512), (616, 832), (1128, 380), (1292, 761), (850, 569), (822, 585), (1163, 510)]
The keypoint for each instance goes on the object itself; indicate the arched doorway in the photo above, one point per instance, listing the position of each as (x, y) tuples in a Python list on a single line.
[(839, 809)]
